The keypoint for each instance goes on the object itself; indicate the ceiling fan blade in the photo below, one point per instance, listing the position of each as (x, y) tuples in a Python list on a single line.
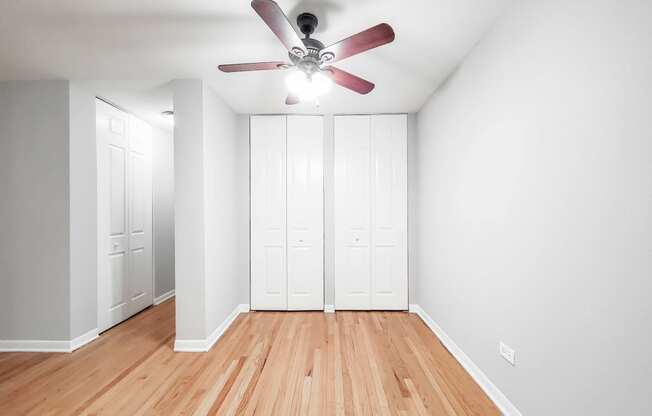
[(269, 11), (350, 81), (254, 66), (368, 39), (292, 99)]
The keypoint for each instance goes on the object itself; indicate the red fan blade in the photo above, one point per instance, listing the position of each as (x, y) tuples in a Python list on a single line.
[(255, 66), (358, 43), (349, 81), (292, 100), (274, 17)]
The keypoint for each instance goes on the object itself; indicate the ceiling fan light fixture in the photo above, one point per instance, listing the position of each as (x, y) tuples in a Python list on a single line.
[(309, 57), (308, 87)]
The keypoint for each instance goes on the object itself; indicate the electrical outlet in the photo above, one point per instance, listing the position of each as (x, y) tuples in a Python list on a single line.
[(507, 353)]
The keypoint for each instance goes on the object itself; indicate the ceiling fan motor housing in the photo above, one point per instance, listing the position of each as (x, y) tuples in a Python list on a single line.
[(309, 63), (307, 23)]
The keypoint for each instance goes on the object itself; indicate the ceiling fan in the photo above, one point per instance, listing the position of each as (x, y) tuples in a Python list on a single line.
[(311, 59)]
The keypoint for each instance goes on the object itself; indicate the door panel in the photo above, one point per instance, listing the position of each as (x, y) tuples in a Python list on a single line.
[(124, 215), (117, 177), (140, 215), (113, 245), (305, 213), (274, 284), (389, 212), (268, 213), (352, 213), (118, 270)]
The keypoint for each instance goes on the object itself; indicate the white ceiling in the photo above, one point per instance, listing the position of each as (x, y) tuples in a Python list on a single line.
[(146, 43)]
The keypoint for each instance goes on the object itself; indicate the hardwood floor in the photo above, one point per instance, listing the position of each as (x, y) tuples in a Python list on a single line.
[(268, 363)]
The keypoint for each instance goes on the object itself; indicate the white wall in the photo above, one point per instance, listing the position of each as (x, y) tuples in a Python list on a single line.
[(48, 226), (207, 210), (163, 190), (534, 206)]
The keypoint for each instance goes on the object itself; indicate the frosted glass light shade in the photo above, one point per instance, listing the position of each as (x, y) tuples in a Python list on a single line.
[(308, 87)]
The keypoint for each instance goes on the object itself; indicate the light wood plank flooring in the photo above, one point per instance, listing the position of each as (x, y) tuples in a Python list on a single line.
[(300, 363)]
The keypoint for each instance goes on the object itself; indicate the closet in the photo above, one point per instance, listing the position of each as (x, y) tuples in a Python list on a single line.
[(370, 218), (287, 214), (124, 192)]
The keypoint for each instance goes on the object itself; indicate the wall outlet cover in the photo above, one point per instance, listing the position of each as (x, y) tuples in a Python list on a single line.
[(507, 353)]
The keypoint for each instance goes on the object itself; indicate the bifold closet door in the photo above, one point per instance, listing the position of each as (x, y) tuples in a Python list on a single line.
[(389, 269), (370, 178), (305, 212), (287, 213), (352, 216), (268, 213), (124, 215)]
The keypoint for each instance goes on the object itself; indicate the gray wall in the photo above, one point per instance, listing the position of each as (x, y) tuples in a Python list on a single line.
[(48, 228), (208, 216), (163, 190), (412, 167), (189, 235), (534, 206), (34, 212), (222, 187), (243, 204), (83, 212)]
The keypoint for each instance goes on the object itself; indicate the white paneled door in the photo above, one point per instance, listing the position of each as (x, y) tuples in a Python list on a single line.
[(352, 216), (124, 215), (389, 268), (305, 212), (268, 213), (287, 213), (370, 179)]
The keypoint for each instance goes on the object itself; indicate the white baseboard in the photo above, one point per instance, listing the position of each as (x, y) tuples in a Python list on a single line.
[(329, 308), (501, 401), (84, 339), (203, 345), (160, 299), (46, 345), (190, 345), (414, 308), (30, 345)]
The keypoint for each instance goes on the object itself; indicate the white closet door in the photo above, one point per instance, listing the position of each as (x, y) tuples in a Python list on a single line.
[(305, 213), (389, 283), (268, 213), (352, 212), (124, 215), (140, 215)]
